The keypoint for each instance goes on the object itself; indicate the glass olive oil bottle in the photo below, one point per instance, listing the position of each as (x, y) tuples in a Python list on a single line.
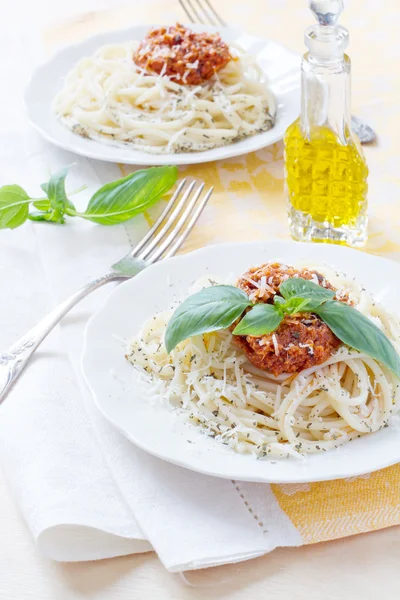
[(325, 169)]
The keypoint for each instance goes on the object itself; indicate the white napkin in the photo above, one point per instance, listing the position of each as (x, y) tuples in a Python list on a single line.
[(83, 489)]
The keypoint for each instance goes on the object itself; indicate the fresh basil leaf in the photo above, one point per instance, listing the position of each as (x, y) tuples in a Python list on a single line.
[(56, 216), (261, 319), (302, 288), (42, 204), (38, 216), (14, 206), (360, 333), (55, 190), (312, 304), (45, 188), (211, 309), (51, 216), (121, 200), (279, 301), (296, 305)]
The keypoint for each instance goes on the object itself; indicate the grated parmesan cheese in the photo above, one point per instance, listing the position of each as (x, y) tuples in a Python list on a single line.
[(193, 65), (257, 285), (308, 346), (275, 342)]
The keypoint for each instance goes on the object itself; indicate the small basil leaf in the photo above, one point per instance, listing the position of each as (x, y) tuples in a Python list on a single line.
[(360, 333), (55, 190), (42, 204), (121, 200), (56, 216), (296, 305), (302, 288), (14, 206), (38, 216), (51, 216), (210, 309), (279, 301), (45, 188), (312, 304), (261, 319)]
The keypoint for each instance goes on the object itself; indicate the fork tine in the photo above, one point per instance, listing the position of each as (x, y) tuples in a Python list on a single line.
[(185, 9), (159, 251), (205, 12), (190, 226), (191, 11), (203, 9), (160, 219), (216, 15), (157, 239), (208, 15)]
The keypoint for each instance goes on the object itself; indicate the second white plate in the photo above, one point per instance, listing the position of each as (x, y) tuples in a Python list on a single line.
[(280, 65)]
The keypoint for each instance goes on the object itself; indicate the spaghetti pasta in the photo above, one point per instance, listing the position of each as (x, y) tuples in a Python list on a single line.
[(107, 97), (209, 380)]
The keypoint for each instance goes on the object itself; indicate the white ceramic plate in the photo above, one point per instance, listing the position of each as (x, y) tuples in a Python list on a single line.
[(112, 379), (280, 64)]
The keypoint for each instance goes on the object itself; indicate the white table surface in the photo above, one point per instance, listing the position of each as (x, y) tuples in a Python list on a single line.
[(363, 567)]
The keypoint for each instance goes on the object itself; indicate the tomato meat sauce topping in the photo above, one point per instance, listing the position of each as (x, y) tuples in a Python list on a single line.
[(301, 341), (185, 57)]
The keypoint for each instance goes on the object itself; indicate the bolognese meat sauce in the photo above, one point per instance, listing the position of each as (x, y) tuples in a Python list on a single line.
[(301, 341), (184, 56)]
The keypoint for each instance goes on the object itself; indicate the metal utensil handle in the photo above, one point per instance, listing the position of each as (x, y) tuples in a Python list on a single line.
[(13, 362)]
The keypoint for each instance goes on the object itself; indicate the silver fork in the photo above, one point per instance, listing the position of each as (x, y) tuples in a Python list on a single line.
[(162, 241), (202, 11)]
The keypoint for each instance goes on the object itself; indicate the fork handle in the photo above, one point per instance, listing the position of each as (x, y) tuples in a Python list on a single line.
[(13, 362)]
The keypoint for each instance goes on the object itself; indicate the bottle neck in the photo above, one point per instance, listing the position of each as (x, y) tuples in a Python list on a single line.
[(325, 96)]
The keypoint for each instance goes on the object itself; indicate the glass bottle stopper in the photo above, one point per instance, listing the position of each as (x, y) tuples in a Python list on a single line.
[(327, 12), (326, 41)]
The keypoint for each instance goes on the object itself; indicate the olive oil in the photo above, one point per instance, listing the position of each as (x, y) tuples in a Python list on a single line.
[(325, 169), (325, 179)]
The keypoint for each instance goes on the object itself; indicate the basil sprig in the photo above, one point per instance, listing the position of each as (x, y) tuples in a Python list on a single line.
[(220, 306), (113, 203)]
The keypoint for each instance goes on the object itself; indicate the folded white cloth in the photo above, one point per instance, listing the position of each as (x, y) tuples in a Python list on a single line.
[(83, 489)]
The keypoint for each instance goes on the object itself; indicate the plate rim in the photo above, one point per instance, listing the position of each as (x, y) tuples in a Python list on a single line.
[(344, 472), (143, 158)]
